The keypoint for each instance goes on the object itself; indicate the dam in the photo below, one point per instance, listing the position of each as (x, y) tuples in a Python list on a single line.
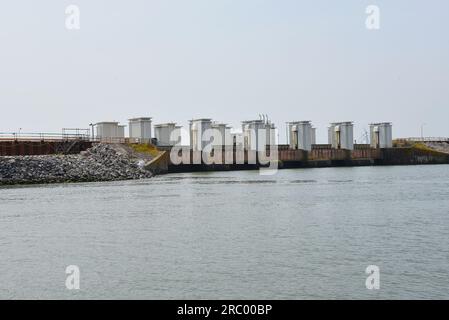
[(319, 156), (68, 157)]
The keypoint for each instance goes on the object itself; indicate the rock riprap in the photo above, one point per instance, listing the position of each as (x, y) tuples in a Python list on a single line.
[(102, 162)]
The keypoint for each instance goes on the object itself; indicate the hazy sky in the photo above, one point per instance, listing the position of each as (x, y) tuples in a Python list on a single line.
[(225, 59)]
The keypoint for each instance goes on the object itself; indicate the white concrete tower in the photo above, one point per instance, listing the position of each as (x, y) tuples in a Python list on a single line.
[(341, 135), (301, 135), (197, 129), (140, 130), (381, 135)]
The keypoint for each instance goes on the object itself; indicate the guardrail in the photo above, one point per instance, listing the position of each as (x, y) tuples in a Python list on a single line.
[(120, 140), (41, 136), (45, 136), (425, 139)]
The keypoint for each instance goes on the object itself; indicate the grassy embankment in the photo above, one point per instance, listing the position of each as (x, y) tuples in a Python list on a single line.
[(419, 146), (145, 148)]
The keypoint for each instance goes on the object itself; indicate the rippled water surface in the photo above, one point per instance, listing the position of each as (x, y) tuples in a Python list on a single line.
[(300, 234)]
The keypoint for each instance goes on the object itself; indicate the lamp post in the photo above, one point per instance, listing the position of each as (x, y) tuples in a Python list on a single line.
[(422, 131), (92, 126)]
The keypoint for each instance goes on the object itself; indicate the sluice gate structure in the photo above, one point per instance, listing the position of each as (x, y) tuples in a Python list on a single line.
[(319, 156)]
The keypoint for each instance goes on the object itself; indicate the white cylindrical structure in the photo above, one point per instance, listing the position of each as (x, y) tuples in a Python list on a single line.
[(163, 133), (257, 134), (301, 135), (341, 135), (140, 130), (109, 130), (197, 129), (381, 135)]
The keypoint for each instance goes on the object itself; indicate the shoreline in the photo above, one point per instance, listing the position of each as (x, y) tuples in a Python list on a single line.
[(122, 162), (100, 163), (152, 175)]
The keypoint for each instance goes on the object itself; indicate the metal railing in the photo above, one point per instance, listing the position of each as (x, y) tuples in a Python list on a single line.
[(424, 139), (120, 140), (42, 136), (65, 136)]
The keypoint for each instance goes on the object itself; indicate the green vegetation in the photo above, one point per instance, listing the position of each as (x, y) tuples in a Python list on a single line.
[(416, 146), (145, 148), (401, 143), (423, 147)]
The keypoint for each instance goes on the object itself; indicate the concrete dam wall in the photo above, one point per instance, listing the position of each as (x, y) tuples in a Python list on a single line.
[(319, 156)]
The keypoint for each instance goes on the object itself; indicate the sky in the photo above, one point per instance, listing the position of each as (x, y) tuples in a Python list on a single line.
[(229, 60)]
